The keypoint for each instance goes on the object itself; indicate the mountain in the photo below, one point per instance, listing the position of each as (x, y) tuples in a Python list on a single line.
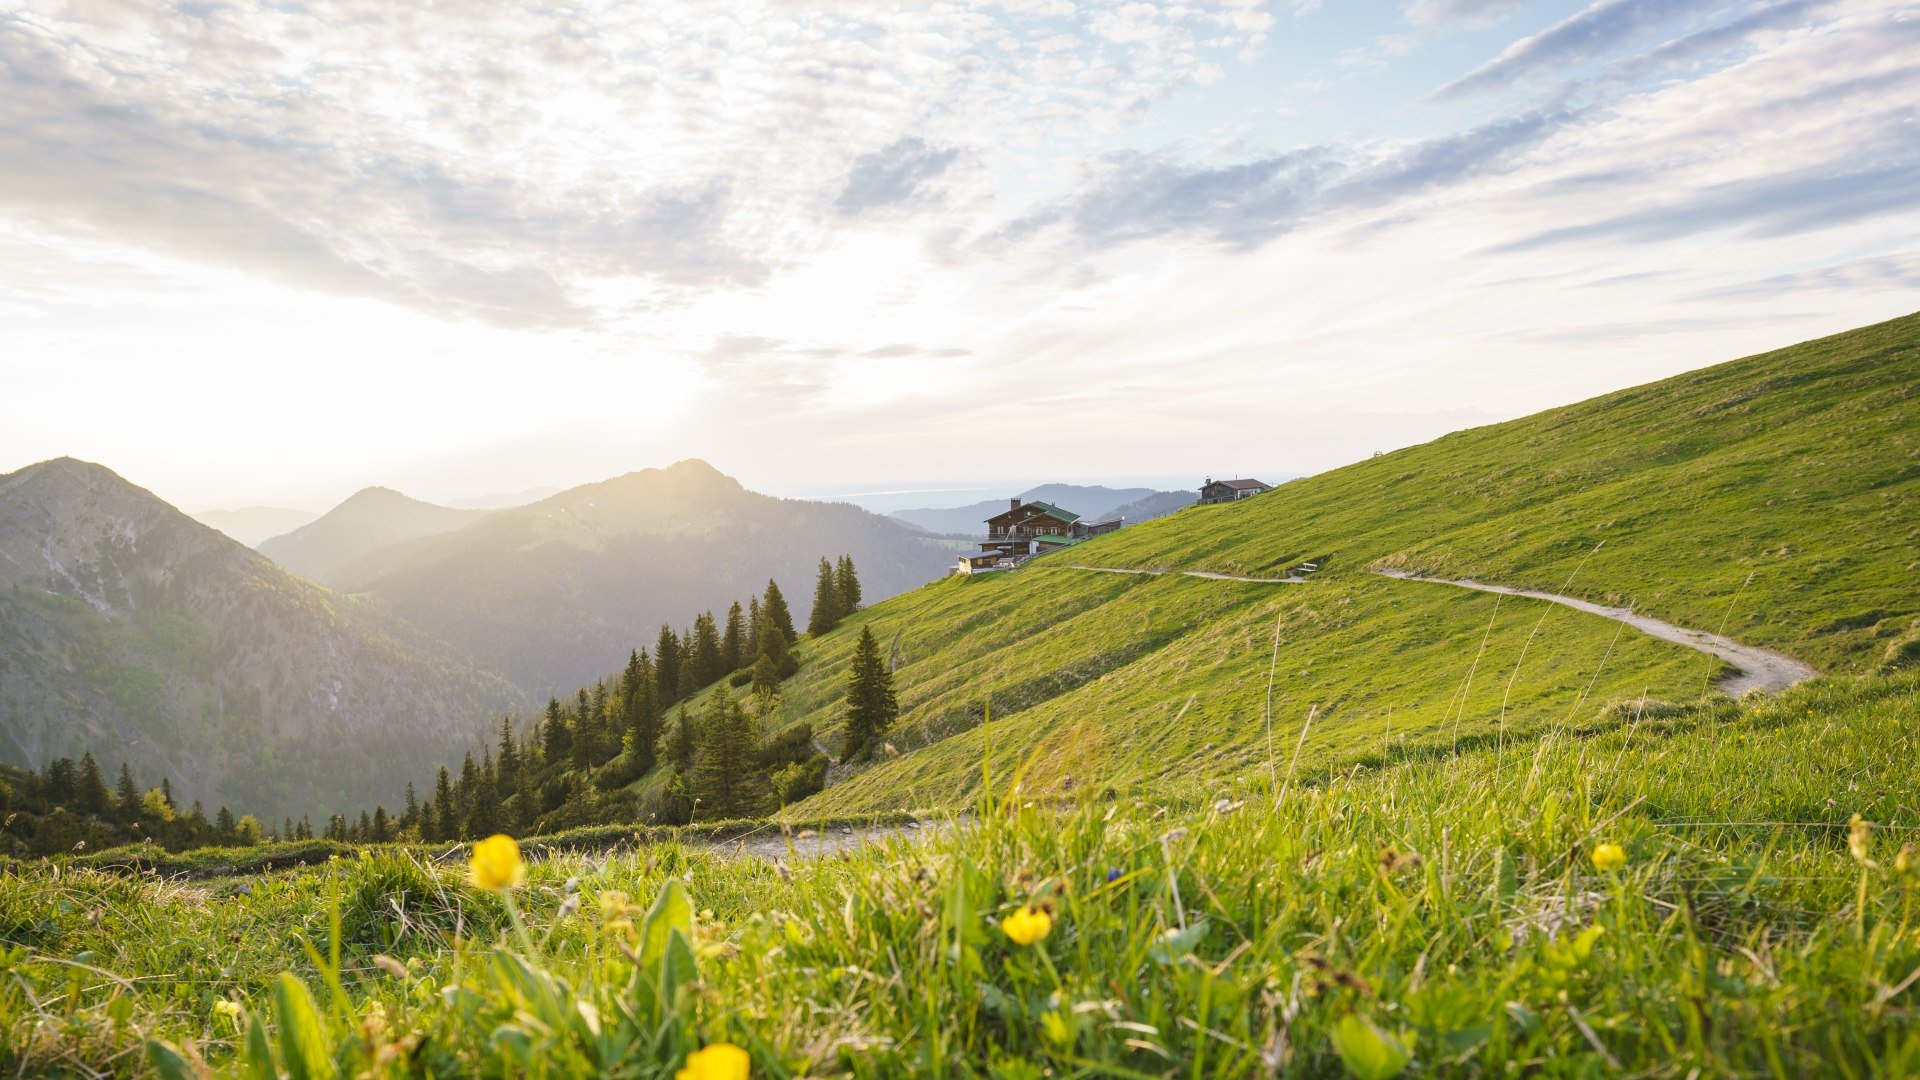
[(131, 630), (1092, 502), (501, 500), (327, 550), (1774, 499), (555, 594), (252, 524)]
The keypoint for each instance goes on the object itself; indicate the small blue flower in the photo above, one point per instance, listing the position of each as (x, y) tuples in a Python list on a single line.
[(1113, 875)]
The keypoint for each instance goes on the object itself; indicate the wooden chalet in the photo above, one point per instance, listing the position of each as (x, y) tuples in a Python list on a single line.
[(1020, 532), (1221, 491)]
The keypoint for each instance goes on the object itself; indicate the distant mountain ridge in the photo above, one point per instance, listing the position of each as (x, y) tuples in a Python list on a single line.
[(554, 595), (371, 519), (251, 525), (131, 630), (1091, 501)]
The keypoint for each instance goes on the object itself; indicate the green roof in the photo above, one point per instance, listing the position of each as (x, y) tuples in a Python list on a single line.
[(1063, 515)]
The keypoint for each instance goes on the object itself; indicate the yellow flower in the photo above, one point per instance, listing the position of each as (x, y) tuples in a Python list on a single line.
[(1860, 840), (1609, 857), (720, 1061), (228, 1009), (1027, 925), (496, 864)]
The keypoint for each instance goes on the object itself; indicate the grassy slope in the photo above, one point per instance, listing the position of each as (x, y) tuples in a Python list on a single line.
[(1721, 949), (1800, 468)]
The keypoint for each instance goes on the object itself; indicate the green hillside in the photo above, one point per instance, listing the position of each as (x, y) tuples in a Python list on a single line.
[(1774, 496)]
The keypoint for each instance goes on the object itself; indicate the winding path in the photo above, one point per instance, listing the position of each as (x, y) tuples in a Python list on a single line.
[(1754, 668), (1190, 573)]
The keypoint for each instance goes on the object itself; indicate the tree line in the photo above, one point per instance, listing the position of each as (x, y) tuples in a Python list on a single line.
[(576, 763)]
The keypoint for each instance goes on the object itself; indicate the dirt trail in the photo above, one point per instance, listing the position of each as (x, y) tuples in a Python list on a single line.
[(1208, 574), (1755, 668)]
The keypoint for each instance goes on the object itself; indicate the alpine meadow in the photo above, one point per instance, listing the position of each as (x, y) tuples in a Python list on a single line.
[(1019, 540)]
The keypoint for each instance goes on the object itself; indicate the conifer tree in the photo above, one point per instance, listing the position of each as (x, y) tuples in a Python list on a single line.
[(666, 666), (733, 640), (826, 601), (682, 745), (706, 651), (726, 780), (286, 827), (89, 788), (871, 706), (410, 817), (62, 788), (382, 832), (753, 630), (306, 827), (774, 607), (365, 832), (846, 581), (507, 774), (223, 823), (463, 793), (557, 740), (586, 732), (642, 722), (127, 795), (446, 823)]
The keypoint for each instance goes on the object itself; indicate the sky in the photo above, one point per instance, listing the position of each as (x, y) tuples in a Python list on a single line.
[(270, 253)]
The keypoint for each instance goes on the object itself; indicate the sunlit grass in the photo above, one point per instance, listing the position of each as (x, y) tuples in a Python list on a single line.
[(1440, 915)]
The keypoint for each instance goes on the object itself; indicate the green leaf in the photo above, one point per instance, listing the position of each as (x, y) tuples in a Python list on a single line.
[(671, 911), (169, 1062), (303, 1042), (257, 1054), (1370, 1053)]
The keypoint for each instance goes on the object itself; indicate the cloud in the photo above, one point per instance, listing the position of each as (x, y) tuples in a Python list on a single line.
[(1474, 12), (1582, 36), (894, 174), (1140, 196), (1894, 273)]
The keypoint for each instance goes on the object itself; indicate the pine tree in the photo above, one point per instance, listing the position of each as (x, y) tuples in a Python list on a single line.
[(733, 640), (410, 817), (556, 739), (666, 666), (484, 817), (847, 582), (753, 629), (62, 788), (507, 776), (286, 827), (774, 607), (871, 705), (445, 823), (365, 833), (224, 824), (682, 745), (381, 832), (89, 789), (642, 717), (306, 827), (706, 651), (463, 794), (586, 733), (127, 795), (826, 601), (726, 778)]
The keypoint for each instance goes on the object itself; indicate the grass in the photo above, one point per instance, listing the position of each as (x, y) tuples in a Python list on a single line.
[(1439, 915)]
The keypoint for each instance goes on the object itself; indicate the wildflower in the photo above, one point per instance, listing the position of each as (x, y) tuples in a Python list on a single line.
[(1860, 840), (1113, 875), (717, 1061), (1609, 857), (496, 864), (1907, 861), (229, 1011), (1027, 925)]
